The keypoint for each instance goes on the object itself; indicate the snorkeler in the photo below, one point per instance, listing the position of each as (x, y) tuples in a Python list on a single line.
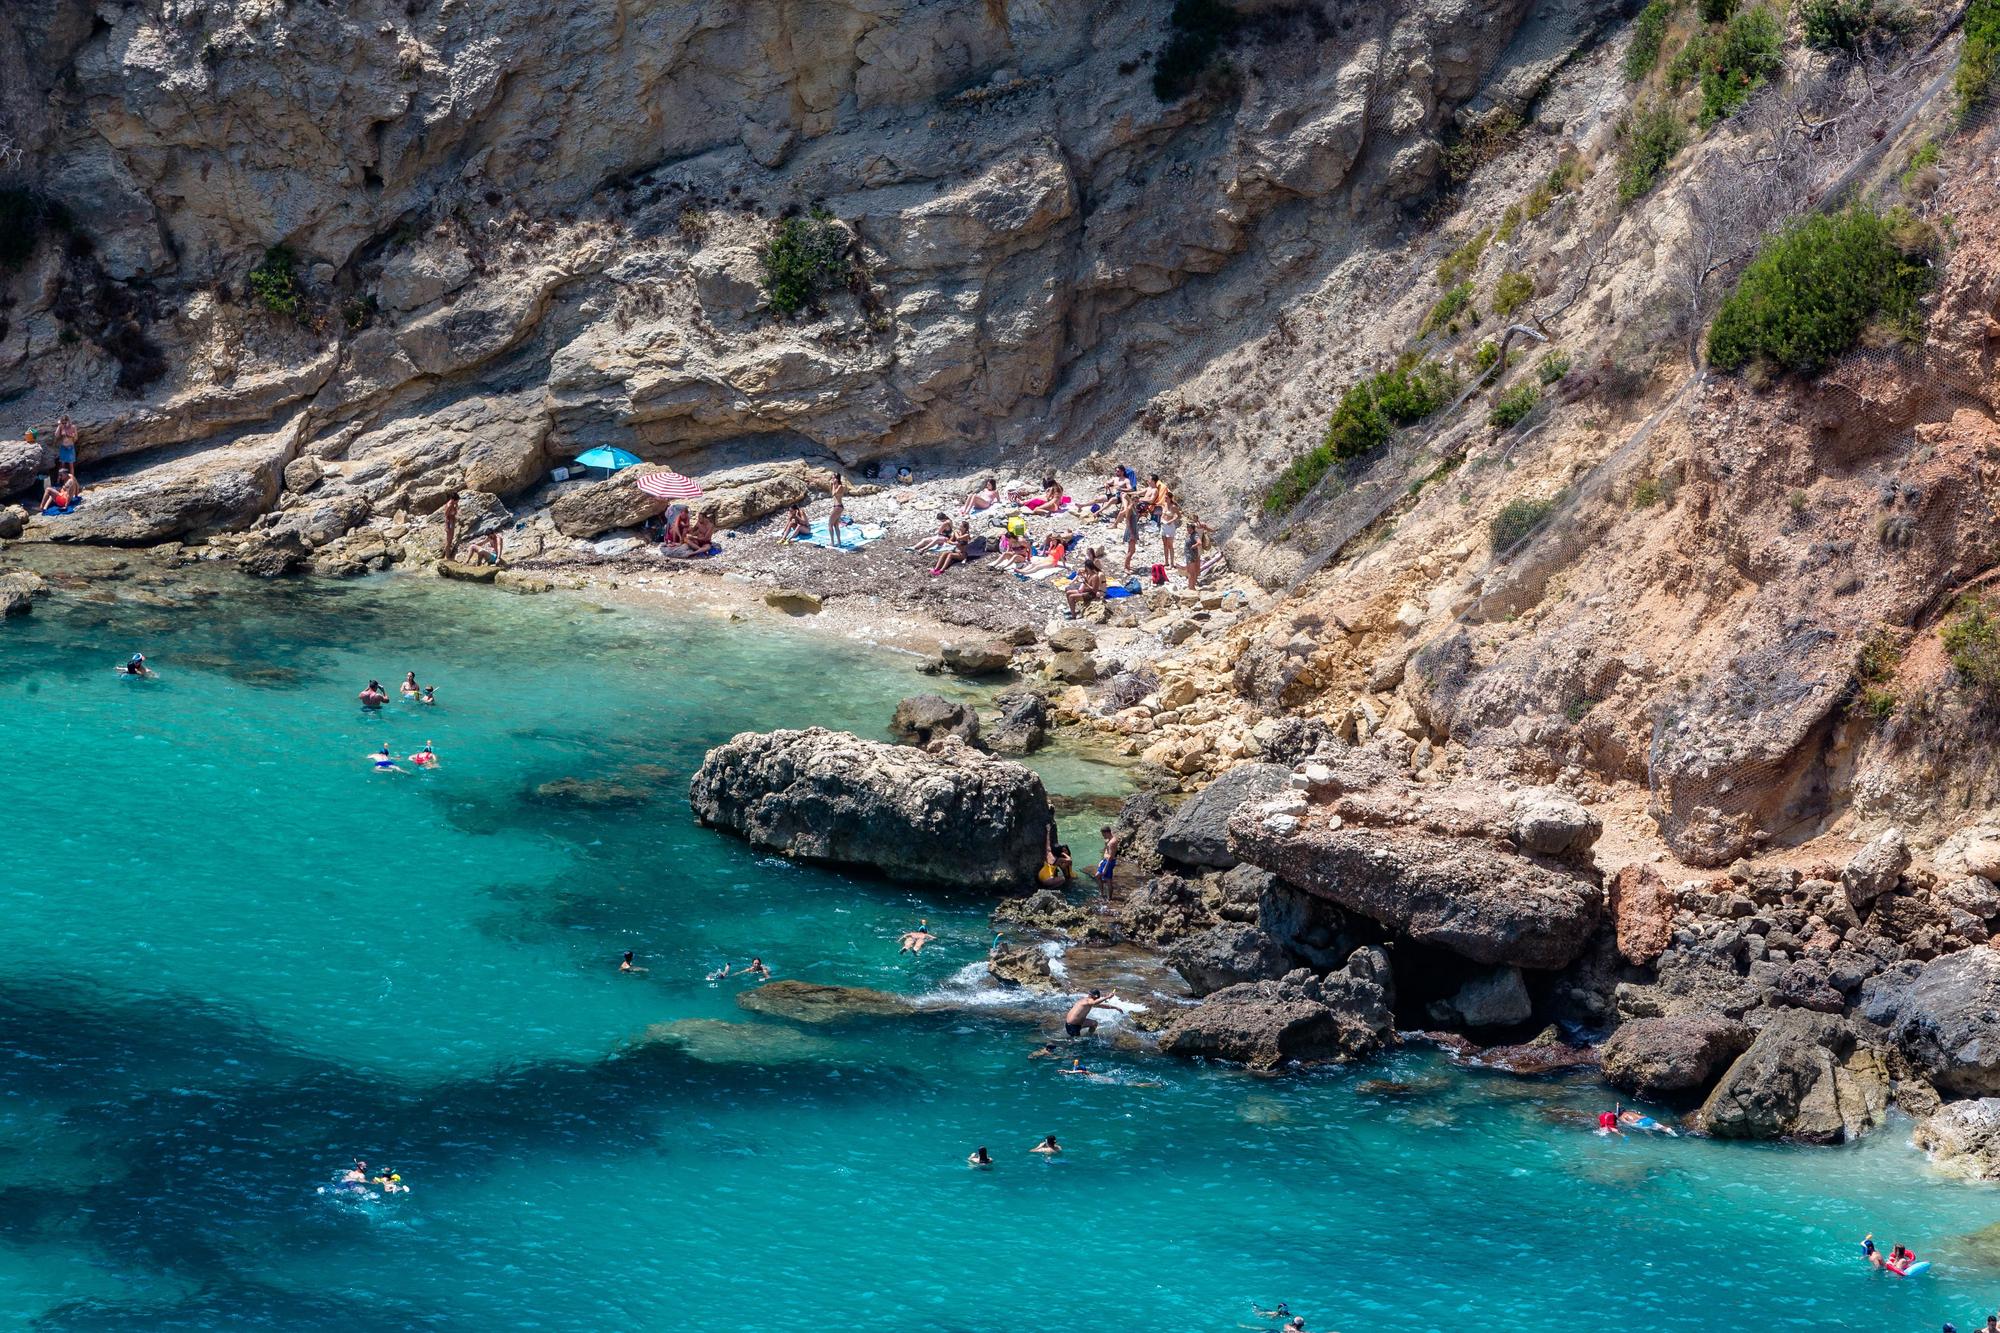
[(137, 667), (430, 695), (1048, 1147), (374, 696), (385, 762), (356, 1175), (914, 940), (410, 687), (425, 758), (979, 1157), (1282, 1312)]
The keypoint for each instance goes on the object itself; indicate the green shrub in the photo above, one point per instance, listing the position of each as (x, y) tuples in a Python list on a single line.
[(1457, 266), (1978, 55), (1972, 641), (1517, 521), (1649, 31), (274, 283), (1852, 26), (1367, 414), (1484, 355), (1510, 222), (26, 216), (1650, 138), (1446, 309), (1552, 367), (1513, 291), (1717, 11), (1814, 287), (1646, 494), (806, 256), (1733, 61), (1197, 32), (1515, 404), (1923, 159)]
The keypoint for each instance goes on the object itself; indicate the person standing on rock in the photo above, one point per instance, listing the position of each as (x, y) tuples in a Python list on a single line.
[(1191, 546), (1128, 514), (451, 528), (66, 443), (1107, 865), (1078, 1020)]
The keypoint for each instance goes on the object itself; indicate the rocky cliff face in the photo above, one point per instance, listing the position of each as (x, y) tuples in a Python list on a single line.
[(516, 230)]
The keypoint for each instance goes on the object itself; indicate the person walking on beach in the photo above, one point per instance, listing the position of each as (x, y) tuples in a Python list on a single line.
[(1078, 1020), (1128, 514), (451, 528)]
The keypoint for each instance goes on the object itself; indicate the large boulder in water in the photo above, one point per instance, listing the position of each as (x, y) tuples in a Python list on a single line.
[(1807, 1077), (1678, 1056), (1346, 1015), (944, 815), (923, 718), (1947, 1020)]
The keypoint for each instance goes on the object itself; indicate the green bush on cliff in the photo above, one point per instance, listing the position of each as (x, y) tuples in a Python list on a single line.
[(1972, 641), (1733, 61), (1851, 26), (1444, 311), (1815, 286), (1514, 405), (806, 256), (1649, 32), (1647, 142), (1978, 55), (274, 283), (1517, 521), (1368, 413), (1514, 290)]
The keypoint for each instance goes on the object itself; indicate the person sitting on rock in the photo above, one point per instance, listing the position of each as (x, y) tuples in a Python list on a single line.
[(1055, 858), (1087, 589)]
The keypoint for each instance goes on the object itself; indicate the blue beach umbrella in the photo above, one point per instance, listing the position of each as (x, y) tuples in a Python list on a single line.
[(606, 457)]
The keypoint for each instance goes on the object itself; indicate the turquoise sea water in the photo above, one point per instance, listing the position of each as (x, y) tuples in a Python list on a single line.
[(232, 957)]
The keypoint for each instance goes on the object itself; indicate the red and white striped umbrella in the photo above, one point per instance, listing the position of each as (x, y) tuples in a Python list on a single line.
[(669, 485)]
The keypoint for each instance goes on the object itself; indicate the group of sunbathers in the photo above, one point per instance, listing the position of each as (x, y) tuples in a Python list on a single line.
[(681, 533)]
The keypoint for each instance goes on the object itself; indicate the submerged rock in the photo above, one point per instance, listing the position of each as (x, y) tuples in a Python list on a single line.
[(1344, 1016), (593, 794), (809, 1002), (946, 815), (718, 1042), (1673, 1058)]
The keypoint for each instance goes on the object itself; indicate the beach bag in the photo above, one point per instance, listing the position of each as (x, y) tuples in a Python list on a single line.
[(1159, 575)]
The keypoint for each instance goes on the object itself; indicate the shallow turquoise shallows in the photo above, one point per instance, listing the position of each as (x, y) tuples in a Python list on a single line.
[(232, 958)]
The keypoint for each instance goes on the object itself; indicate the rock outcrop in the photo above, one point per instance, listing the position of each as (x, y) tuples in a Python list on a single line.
[(948, 815), (1963, 1138), (1438, 864), (923, 718), (1806, 1077), (1344, 1016), (1197, 833), (1946, 1019), (1673, 1059), (1225, 956)]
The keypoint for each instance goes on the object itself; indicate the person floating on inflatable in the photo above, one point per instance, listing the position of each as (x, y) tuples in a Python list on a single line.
[(1901, 1261), (137, 667), (425, 758)]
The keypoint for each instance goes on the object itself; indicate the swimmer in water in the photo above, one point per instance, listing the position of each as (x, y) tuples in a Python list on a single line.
[(979, 1157), (425, 758), (720, 974), (137, 667), (410, 687), (385, 762), (625, 964), (1282, 1312), (757, 969), (915, 940), (374, 696), (355, 1175), (1046, 1051), (430, 696), (1048, 1147)]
